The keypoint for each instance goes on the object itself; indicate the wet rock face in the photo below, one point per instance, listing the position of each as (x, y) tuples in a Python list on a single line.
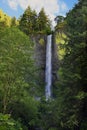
[(40, 50), (40, 55), (55, 63)]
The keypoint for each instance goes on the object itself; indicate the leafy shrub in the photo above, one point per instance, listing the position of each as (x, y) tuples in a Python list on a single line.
[(7, 123)]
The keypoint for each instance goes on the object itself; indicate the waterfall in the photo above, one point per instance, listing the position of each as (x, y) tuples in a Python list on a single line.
[(48, 72)]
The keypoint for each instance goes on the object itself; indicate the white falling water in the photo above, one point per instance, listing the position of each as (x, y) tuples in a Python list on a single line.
[(48, 67)]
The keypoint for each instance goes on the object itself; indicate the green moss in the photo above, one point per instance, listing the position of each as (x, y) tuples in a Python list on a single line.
[(61, 41), (41, 41)]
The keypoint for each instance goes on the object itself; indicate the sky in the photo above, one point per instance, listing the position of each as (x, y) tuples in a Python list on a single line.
[(53, 8)]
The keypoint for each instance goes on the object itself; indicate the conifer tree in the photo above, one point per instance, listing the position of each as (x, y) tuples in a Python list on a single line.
[(28, 20), (44, 23)]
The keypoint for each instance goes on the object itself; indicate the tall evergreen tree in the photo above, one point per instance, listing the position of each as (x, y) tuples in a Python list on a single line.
[(14, 22), (44, 24), (28, 21)]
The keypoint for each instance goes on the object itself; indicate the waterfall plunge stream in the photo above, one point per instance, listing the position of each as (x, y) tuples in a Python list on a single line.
[(48, 73)]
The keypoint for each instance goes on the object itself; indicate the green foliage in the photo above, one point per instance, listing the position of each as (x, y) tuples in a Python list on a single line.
[(14, 22), (17, 81), (41, 41), (61, 41), (31, 23), (44, 24), (7, 123), (28, 21), (26, 110), (71, 93), (52, 129), (7, 21), (61, 24), (16, 65), (59, 19)]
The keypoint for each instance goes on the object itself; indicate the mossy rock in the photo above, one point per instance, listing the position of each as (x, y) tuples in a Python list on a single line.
[(41, 41)]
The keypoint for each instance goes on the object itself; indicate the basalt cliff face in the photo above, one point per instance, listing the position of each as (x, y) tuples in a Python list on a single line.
[(55, 62), (40, 54)]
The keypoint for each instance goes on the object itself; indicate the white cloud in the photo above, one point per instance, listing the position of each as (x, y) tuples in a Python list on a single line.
[(51, 7), (63, 6), (13, 4)]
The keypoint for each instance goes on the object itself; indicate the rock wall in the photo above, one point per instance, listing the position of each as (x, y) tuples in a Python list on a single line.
[(40, 58), (55, 63)]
